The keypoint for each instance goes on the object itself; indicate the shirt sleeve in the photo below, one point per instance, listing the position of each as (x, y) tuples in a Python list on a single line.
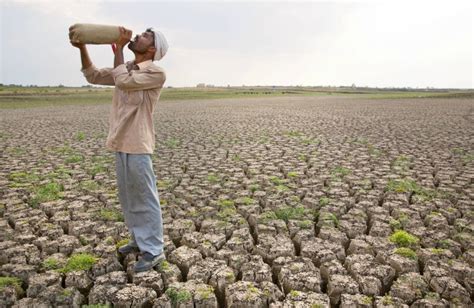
[(137, 80), (99, 76)]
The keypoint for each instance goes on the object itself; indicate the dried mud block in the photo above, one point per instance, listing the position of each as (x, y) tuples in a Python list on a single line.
[(403, 264), (37, 283), (329, 268), (9, 295), (356, 300), (240, 241), (271, 247), (300, 274), (29, 302), (94, 33), (341, 284), (388, 301), (178, 228), (133, 296), (321, 251), (103, 294), (22, 271), (80, 280), (451, 290), (106, 265), (149, 279), (256, 270), (184, 257), (192, 294), (303, 299), (245, 294), (358, 246), (169, 272), (213, 272), (431, 300), (409, 287), (57, 296), (333, 235)]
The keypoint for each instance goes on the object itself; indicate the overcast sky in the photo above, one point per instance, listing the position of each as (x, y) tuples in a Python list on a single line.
[(369, 43)]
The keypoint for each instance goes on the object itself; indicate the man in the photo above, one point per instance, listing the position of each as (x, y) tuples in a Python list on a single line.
[(131, 136)]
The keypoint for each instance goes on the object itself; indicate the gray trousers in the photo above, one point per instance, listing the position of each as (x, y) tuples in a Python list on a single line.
[(140, 202)]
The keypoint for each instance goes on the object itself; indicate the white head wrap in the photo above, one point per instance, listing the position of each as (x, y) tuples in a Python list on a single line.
[(161, 45)]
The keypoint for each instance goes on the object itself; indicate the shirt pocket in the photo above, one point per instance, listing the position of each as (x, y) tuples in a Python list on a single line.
[(134, 97)]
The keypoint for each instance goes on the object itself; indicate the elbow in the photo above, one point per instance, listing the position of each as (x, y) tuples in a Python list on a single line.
[(91, 80)]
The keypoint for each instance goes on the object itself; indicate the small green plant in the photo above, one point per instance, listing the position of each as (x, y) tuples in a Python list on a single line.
[(267, 216), (212, 178), (403, 239), (293, 133), (164, 266), (287, 213), (254, 187), (340, 172), (23, 177), (305, 224), (11, 282), (331, 217), (236, 158), (276, 180), (122, 242), (373, 150), (437, 250), (46, 192), (79, 262), (80, 136), (89, 185), (432, 296), (402, 162), (96, 169), (111, 215), (387, 300), (205, 292), (410, 186), (292, 174), (281, 188), (294, 293), (226, 203), (226, 212), (308, 141), (74, 158), (248, 200), (172, 143), (367, 300), (50, 264), (177, 297), (323, 201), (406, 252)]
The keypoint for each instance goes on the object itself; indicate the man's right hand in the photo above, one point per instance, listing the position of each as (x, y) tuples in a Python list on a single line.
[(75, 43), (78, 44)]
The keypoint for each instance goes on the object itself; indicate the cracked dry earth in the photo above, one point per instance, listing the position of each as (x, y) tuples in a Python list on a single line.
[(281, 202)]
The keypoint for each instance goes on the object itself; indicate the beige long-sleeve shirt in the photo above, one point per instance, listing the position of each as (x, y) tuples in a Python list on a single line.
[(136, 92)]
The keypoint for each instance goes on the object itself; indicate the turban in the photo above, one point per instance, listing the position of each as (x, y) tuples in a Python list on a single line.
[(161, 45)]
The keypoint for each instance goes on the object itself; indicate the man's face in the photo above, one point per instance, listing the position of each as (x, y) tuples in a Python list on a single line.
[(141, 43)]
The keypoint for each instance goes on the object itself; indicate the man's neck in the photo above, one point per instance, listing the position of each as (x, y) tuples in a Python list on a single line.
[(140, 58)]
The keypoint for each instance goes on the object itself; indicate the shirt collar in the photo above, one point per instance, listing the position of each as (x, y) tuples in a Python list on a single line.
[(144, 64)]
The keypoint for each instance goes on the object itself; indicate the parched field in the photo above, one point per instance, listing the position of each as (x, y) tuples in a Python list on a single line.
[(296, 201)]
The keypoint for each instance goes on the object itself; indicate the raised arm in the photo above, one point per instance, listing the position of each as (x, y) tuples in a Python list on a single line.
[(92, 74)]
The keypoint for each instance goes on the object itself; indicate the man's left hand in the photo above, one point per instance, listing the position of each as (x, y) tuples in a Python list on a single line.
[(125, 36)]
